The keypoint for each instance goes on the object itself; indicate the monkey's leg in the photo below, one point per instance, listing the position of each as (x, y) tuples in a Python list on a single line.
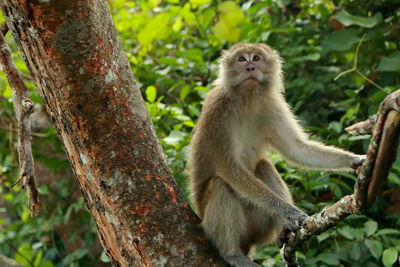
[(267, 173), (263, 226), (224, 223)]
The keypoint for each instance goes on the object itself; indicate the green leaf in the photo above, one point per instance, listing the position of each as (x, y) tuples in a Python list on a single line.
[(151, 93), (200, 2), (46, 263), (153, 28), (24, 254), (224, 32), (104, 257), (370, 227), (347, 19), (177, 26), (390, 63), (335, 126), (7, 92), (340, 40), (231, 13), (43, 190), (38, 258), (188, 15), (388, 232), (226, 28), (174, 138), (375, 247), (355, 252), (323, 236), (346, 232), (329, 258), (184, 92), (74, 256), (389, 257)]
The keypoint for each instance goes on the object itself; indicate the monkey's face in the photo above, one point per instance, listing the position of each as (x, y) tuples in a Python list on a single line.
[(247, 69), (250, 66)]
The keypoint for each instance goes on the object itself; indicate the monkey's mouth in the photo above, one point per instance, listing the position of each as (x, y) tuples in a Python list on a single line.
[(254, 79), (251, 78)]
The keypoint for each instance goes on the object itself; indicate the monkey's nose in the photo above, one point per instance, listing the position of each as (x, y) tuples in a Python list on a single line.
[(250, 68)]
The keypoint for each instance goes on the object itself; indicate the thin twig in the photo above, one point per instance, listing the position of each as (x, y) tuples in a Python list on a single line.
[(23, 108), (356, 70)]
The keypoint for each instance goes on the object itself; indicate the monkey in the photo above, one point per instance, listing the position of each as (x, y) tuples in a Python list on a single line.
[(235, 189)]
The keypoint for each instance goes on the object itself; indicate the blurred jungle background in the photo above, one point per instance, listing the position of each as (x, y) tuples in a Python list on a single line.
[(341, 59)]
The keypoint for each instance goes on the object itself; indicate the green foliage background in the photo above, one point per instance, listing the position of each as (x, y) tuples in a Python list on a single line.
[(173, 48)]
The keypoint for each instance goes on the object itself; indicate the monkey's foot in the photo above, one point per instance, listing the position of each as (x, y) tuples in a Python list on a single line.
[(240, 261)]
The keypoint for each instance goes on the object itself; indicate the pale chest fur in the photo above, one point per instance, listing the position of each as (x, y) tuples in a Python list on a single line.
[(249, 137)]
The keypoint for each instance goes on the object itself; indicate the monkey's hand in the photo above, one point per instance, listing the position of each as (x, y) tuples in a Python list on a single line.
[(293, 222), (294, 218), (358, 161)]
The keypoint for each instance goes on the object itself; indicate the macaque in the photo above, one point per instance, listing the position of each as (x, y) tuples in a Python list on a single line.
[(236, 190)]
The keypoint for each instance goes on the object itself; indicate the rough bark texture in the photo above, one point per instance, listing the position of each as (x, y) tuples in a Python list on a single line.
[(76, 60)]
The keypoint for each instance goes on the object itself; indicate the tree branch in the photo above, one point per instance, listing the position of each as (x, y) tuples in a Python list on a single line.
[(371, 175), (364, 127), (23, 107)]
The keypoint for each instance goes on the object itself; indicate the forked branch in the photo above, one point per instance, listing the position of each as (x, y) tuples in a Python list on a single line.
[(385, 129)]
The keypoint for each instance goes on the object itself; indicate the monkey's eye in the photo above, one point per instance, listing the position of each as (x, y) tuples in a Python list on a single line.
[(241, 59), (256, 58)]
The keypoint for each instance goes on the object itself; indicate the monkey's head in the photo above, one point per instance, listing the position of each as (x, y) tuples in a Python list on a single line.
[(249, 67)]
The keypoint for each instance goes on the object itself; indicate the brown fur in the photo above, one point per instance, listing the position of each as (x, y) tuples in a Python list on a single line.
[(236, 190)]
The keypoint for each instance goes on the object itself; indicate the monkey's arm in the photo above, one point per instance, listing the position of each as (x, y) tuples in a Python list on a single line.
[(290, 140), (245, 183)]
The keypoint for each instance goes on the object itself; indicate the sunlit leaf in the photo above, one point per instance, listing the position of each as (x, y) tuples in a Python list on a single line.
[(24, 255), (230, 16), (38, 258), (389, 257), (177, 24), (188, 15), (7, 92), (174, 138), (151, 93), (199, 2), (224, 32), (153, 28)]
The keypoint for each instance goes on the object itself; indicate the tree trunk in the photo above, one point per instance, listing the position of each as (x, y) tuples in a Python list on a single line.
[(75, 57)]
